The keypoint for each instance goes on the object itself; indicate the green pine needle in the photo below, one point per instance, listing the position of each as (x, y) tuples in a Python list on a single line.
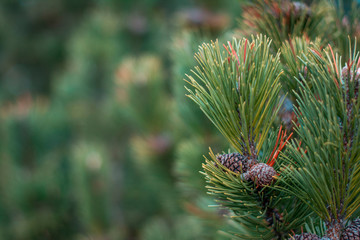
[(237, 86), (246, 202), (284, 19), (327, 175)]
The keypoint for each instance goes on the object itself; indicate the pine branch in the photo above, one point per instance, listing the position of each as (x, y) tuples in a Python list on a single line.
[(295, 69), (284, 19), (261, 212), (327, 176), (238, 90), (344, 23)]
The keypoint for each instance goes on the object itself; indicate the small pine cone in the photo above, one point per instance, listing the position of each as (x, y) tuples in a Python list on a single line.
[(300, 8), (306, 236), (345, 74), (352, 232), (236, 162), (260, 173)]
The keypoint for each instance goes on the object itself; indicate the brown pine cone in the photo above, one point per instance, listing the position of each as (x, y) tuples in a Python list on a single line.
[(306, 236), (352, 232), (236, 162), (345, 74), (261, 173)]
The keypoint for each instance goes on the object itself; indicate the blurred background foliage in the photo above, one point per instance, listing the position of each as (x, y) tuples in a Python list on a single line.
[(97, 138)]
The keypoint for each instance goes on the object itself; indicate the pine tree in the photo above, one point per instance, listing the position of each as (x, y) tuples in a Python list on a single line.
[(238, 88), (274, 192), (283, 19), (324, 169)]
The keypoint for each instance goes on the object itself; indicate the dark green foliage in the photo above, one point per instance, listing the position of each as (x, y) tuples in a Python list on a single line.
[(237, 98), (191, 119), (262, 213), (331, 103), (99, 141), (32, 42), (37, 201), (183, 228), (295, 70), (90, 185), (248, 92), (283, 19), (188, 166), (345, 22)]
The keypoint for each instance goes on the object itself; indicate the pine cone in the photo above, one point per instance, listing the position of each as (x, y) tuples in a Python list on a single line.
[(345, 74), (261, 173), (306, 236), (299, 8), (352, 232), (236, 162)]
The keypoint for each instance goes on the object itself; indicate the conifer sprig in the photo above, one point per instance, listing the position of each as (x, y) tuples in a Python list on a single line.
[(344, 20), (294, 68), (260, 213), (237, 86), (327, 176), (284, 19)]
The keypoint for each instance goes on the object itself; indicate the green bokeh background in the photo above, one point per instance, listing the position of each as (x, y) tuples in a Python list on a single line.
[(97, 138)]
